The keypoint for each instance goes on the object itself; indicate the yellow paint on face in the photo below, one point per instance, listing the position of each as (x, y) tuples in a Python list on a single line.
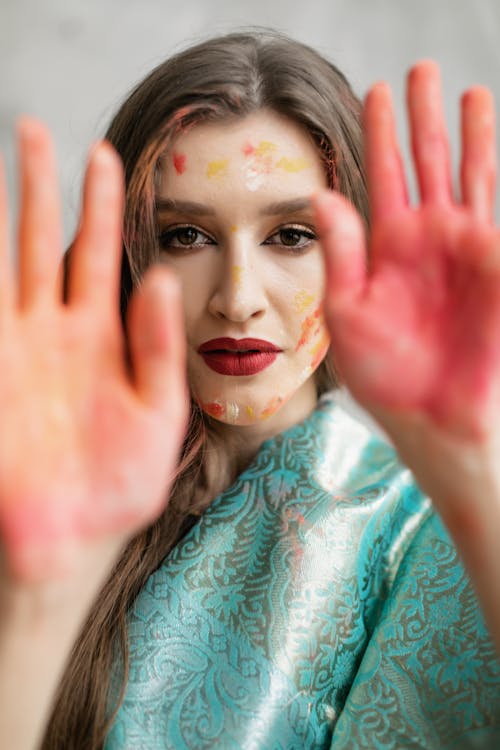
[(292, 165), (217, 168), (250, 412), (265, 148), (236, 272), (234, 228), (302, 300)]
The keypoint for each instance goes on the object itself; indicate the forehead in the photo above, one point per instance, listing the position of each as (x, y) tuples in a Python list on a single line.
[(261, 148), (262, 126)]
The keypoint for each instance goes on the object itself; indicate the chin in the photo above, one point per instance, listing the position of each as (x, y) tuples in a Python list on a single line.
[(241, 412)]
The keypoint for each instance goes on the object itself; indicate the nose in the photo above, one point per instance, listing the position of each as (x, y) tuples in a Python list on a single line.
[(239, 292)]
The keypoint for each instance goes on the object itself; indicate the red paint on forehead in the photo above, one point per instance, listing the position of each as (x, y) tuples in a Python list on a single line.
[(180, 163), (248, 149)]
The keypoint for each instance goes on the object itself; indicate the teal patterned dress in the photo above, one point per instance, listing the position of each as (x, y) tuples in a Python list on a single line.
[(317, 604)]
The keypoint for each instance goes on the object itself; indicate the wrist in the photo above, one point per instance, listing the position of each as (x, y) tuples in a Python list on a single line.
[(64, 599)]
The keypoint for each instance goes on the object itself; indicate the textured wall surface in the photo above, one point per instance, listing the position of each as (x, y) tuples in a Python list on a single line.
[(71, 62)]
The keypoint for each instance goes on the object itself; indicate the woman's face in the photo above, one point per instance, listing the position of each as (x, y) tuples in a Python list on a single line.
[(235, 223)]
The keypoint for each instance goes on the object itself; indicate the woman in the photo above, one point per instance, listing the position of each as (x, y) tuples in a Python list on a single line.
[(298, 591)]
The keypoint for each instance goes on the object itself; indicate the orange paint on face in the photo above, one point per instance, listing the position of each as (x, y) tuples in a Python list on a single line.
[(272, 407), (214, 409), (179, 162), (263, 156), (310, 326), (319, 350)]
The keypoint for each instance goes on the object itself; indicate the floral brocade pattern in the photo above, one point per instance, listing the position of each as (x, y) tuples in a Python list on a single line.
[(318, 603)]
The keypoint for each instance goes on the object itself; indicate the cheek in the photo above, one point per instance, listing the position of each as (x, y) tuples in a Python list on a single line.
[(310, 327), (303, 300), (319, 347), (313, 338)]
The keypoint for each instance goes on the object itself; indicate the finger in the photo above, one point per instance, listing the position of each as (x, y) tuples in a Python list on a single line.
[(94, 267), (6, 274), (342, 237), (157, 341), (478, 168), (429, 138), (387, 188), (40, 228)]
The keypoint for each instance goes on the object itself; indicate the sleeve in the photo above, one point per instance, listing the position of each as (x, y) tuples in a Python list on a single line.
[(429, 677)]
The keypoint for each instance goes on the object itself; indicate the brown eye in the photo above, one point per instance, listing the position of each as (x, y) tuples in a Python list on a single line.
[(290, 237), (297, 238), (180, 238)]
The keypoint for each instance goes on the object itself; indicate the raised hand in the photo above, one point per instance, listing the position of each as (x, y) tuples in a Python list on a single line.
[(415, 312), (87, 448)]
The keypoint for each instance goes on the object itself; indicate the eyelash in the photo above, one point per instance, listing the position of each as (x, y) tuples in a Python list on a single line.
[(167, 237)]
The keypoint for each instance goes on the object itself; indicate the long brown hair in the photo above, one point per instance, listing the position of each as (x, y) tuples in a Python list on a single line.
[(225, 77)]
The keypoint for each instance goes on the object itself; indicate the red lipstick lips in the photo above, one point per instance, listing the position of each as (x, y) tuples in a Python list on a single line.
[(238, 356)]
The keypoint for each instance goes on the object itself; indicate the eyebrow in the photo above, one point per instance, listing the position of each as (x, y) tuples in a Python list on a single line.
[(183, 207), (287, 207), (199, 209)]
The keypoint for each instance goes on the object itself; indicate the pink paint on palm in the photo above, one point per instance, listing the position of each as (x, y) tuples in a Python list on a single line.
[(180, 163), (248, 149)]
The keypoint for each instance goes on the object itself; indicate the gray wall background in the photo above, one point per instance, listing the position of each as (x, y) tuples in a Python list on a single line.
[(71, 62)]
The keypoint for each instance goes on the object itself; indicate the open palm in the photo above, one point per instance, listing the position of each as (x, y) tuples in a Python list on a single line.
[(87, 448), (415, 314)]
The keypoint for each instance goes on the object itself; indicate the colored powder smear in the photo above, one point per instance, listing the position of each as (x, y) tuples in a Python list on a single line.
[(180, 163), (310, 326), (302, 300), (214, 408), (319, 350), (265, 148), (272, 407), (217, 168), (236, 272), (264, 155), (250, 412), (292, 165), (232, 411)]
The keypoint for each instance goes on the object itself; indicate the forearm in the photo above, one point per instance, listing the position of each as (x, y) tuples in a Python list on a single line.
[(462, 477), (38, 627), (474, 525)]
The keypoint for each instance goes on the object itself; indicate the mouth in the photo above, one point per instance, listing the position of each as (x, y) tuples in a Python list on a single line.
[(238, 357)]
